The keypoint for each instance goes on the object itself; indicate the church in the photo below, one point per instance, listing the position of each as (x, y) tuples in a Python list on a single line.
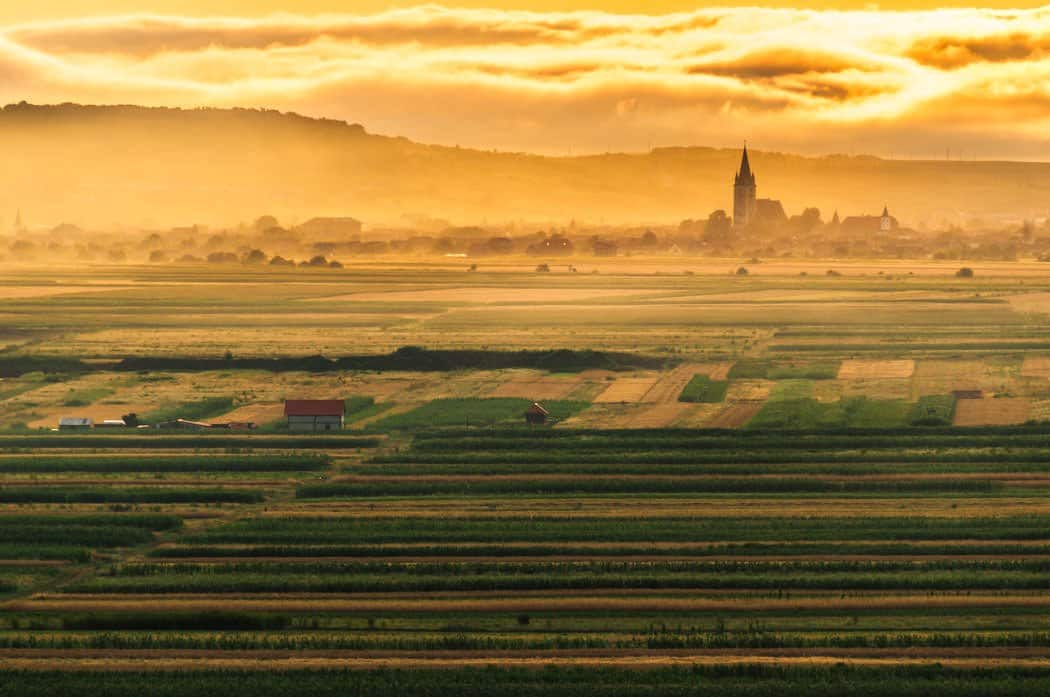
[(748, 209), (744, 192)]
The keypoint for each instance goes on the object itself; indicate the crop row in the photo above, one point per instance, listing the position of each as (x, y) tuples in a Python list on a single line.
[(42, 494), (725, 679), (35, 534), (153, 463), (703, 464), (278, 531), (976, 579), (684, 456), (461, 641), (146, 439), (496, 551), (606, 566), (672, 438), (409, 486)]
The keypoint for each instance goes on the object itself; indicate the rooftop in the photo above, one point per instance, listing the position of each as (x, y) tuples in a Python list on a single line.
[(313, 407)]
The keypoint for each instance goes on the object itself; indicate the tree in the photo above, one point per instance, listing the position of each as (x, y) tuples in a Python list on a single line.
[(718, 228), (265, 223), (255, 256), (964, 272)]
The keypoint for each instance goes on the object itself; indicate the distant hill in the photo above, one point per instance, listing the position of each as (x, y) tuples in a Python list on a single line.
[(96, 165)]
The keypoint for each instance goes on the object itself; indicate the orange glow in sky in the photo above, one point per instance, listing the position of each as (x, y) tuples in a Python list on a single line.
[(910, 82)]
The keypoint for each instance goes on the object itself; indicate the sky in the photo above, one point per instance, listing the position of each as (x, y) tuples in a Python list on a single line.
[(570, 77)]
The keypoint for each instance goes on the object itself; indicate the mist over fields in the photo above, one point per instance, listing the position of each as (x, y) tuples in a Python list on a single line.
[(100, 166)]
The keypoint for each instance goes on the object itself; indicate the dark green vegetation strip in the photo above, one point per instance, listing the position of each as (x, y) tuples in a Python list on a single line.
[(158, 439), (743, 680), (703, 389), (636, 439), (163, 463), (53, 494), (32, 532), (541, 529), (177, 631), (409, 358), (699, 550), (411, 486)]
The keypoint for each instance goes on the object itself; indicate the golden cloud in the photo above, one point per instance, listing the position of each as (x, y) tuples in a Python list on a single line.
[(548, 81)]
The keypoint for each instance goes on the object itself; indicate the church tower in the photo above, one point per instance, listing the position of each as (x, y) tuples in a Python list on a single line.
[(885, 221), (744, 192)]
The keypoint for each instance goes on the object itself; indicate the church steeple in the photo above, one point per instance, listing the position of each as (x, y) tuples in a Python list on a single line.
[(745, 176), (744, 193)]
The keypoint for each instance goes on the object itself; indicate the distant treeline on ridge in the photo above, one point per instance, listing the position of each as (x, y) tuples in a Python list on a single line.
[(408, 358)]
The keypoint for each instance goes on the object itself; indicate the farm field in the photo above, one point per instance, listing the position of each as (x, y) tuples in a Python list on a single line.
[(770, 485)]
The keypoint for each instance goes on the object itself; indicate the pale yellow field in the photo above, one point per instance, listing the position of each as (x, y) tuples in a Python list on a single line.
[(853, 369), (1002, 411), (484, 295), (749, 390), (536, 385), (627, 389), (1036, 366), (735, 414)]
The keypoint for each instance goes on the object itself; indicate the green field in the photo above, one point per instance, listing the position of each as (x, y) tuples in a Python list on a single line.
[(771, 485)]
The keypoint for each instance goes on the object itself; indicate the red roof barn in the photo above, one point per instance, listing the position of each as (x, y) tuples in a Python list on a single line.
[(314, 414)]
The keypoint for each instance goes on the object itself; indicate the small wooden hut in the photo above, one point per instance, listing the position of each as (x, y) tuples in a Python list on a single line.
[(536, 415)]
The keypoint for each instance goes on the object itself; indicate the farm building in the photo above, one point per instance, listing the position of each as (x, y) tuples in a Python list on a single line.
[(536, 415), (314, 414), (331, 227), (75, 423), (184, 425)]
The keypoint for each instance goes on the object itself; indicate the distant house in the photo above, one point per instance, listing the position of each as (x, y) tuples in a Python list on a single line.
[(112, 423), (184, 425), (314, 414), (330, 227), (75, 423), (536, 415)]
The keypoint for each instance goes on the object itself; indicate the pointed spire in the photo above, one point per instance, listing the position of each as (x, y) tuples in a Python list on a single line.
[(885, 211), (745, 176)]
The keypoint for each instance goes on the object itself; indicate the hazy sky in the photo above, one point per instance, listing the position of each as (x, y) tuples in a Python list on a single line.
[(971, 83)]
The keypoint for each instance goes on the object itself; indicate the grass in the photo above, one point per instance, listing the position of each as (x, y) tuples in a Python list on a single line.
[(766, 369), (804, 413), (701, 388), (933, 410), (87, 396), (191, 411), (472, 412)]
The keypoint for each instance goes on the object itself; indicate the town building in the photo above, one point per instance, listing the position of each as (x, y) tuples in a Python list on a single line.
[(75, 423), (314, 414), (330, 227)]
